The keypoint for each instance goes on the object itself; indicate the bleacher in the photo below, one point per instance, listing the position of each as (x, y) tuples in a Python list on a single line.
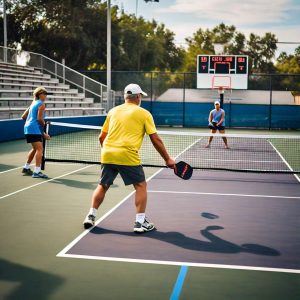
[(18, 82)]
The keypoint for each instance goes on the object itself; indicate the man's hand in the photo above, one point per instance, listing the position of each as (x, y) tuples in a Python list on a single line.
[(170, 163), (46, 136)]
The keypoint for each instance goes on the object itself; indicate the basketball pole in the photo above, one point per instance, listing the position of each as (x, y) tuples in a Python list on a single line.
[(221, 94)]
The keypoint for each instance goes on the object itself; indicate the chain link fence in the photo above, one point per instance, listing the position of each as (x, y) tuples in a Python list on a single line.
[(272, 101)]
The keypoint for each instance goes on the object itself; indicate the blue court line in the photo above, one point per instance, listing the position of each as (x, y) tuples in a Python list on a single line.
[(179, 283)]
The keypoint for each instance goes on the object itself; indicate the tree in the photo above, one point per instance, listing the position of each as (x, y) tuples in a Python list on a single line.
[(289, 64), (203, 42), (261, 50)]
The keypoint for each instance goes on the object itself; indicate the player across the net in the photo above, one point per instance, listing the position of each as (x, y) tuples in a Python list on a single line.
[(247, 153)]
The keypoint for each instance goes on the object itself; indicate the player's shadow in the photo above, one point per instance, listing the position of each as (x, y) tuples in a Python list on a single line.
[(75, 183), (29, 283), (214, 243)]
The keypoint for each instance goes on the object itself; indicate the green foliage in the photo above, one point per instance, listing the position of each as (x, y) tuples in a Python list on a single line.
[(76, 30), (289, 64)]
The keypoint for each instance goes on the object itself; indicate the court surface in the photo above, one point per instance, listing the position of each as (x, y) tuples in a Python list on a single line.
[(220, 235), (234, 220)]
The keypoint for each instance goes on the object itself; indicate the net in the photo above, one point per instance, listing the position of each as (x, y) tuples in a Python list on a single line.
[(247, 153)]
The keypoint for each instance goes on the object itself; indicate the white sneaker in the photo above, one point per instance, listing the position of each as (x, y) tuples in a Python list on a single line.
[(146, 226), (89, 221)]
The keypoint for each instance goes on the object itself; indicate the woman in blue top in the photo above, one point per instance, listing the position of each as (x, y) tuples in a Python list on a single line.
[(216, 120), (34, 132)]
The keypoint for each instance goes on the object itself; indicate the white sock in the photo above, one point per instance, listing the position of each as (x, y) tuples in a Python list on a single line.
[(140, 218), (93, 211), (27, 166), (37, 169)]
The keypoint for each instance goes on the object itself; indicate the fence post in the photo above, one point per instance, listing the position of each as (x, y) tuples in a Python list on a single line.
[(229, 114), (55, 64), (83, 85), (64, 70), (42, 67), (270, 106), (151, 91), (183, 102)]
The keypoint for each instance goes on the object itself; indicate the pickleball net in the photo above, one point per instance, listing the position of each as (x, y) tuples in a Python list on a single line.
[(76, 143)]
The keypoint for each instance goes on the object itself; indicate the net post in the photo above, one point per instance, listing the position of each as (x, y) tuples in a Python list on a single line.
[(46, 130)]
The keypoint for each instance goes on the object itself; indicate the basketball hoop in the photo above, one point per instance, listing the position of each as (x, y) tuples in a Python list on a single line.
[(221, 90)]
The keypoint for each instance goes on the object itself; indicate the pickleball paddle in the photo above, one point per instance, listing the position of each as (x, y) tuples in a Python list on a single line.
[(183, 170)]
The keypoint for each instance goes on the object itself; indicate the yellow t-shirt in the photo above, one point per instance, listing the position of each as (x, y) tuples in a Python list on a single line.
[(125, 126)]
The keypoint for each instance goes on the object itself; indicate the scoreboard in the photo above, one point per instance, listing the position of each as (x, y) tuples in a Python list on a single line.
[(218, 70)]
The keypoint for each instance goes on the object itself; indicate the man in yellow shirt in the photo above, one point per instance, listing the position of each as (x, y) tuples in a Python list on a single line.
[(121, 139)]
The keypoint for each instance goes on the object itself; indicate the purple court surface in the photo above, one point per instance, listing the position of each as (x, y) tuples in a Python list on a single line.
[(217, 219)]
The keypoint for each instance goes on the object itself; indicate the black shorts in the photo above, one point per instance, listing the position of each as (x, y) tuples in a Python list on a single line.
[(32, 138), (218, 128), (129, 174)]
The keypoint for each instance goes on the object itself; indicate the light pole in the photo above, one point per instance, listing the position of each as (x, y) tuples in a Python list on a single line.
[(108, 55), (5, 32)]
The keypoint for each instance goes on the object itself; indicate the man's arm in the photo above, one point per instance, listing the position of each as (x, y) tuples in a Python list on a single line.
[(161, 149), (222, 119), (210, 117), (102, 137)]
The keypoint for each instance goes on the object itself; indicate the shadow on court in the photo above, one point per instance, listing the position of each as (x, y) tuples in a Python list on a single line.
[(75, 183), (31, 283), (6, 167), (214, 244)]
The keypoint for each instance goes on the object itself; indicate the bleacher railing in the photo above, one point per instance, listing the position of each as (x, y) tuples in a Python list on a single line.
[(90, 87)]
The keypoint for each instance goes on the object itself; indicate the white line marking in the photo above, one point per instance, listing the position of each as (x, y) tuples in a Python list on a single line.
[(244, 160), (70, 245), (48, 163), (287, 164), (2, 172), (221, 194), (178, 263), (42, 182)]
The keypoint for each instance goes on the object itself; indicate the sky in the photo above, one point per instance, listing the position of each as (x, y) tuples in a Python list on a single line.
[(184, 17)]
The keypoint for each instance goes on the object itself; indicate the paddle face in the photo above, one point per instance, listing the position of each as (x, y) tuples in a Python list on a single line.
[(211, 125), (183, 170)]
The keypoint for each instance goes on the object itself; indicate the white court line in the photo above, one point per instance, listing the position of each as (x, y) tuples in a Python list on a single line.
[(48, 163), (9, 170), (287, 164), (43, 182), (221, 194), (181, 263), (244, 160)]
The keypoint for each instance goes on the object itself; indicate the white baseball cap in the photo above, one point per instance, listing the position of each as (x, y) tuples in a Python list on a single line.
[(217, 102), (133, 88)]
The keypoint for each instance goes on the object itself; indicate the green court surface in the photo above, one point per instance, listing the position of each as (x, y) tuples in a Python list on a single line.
[(40, 217)]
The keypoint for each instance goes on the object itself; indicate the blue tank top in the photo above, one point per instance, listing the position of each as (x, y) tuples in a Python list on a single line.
[(32, 125), (217, 115)]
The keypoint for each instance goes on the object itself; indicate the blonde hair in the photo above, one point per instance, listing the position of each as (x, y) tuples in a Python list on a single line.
[(39, 90)]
